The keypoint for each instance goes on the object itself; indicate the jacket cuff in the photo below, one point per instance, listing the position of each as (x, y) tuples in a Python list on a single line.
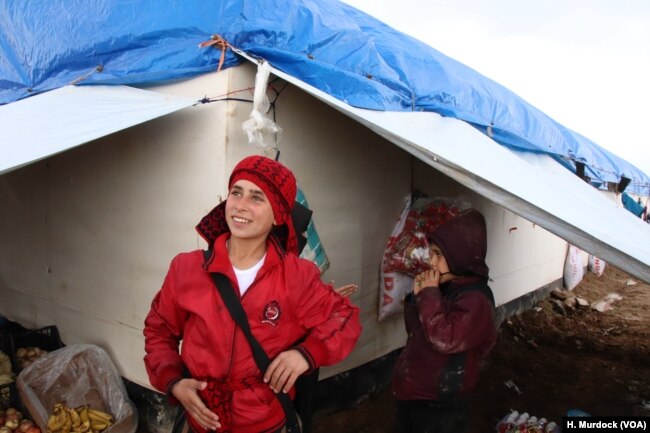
[(170, 397), (169, 376), (314, 352)]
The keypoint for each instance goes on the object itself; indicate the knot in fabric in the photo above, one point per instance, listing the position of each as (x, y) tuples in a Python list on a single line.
[(217, 396)]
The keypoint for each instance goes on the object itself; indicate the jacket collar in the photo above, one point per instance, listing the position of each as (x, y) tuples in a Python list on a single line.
[(219, 261)]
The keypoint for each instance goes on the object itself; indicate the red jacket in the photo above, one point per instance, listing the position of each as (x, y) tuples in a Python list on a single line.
[(286, 303), (441, 324)]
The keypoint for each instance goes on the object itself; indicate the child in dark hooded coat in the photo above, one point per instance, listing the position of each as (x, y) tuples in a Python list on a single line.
[(450, 324)]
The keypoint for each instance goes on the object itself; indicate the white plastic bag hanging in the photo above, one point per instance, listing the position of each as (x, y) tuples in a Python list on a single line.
[(261, 130)]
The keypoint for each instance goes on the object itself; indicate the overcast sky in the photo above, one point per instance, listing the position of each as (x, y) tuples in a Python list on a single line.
[(585, 63)]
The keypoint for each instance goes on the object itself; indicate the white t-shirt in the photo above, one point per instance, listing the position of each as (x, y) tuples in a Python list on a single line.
[(245, 277)]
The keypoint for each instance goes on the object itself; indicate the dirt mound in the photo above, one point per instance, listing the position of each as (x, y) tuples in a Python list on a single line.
[(550, 359), (562, 358)]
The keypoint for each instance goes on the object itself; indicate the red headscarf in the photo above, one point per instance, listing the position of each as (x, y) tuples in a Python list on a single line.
[(275, 180)]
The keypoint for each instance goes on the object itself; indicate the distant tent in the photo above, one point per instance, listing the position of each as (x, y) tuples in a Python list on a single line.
[(632, 205)]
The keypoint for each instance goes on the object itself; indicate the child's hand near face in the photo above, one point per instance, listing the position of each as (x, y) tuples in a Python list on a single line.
[(430, 278)]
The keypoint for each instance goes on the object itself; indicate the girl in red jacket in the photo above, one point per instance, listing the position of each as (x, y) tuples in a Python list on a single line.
[(450, 323), (300, 322)]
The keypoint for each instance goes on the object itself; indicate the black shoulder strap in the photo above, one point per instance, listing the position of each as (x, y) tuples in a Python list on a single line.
[(227, 292)]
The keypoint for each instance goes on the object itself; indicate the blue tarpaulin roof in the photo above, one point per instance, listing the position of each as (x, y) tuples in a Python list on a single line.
[(327, 44)]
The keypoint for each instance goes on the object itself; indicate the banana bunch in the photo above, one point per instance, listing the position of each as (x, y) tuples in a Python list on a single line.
[(82, 419)]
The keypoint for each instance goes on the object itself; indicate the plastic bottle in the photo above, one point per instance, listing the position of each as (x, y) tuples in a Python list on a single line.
[(522, 418)]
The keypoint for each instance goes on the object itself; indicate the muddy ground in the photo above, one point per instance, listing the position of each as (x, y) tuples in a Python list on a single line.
[(554, 358)]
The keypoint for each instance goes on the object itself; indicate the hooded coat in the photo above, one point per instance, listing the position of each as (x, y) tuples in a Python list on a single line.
[(450, 329)]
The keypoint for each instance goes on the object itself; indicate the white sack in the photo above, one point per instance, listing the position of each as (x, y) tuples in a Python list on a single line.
[(573, 271)]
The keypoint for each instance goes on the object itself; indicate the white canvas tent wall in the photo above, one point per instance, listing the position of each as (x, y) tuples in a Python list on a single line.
[(88, 233), (36, 128), (533, 186)]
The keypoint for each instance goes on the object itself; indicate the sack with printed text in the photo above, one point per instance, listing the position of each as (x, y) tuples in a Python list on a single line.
[(573, 271), (407, 250), (596, 265)]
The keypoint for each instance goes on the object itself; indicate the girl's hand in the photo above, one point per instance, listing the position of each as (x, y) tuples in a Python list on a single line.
[(346, 290), (285, 370), (186, 392)]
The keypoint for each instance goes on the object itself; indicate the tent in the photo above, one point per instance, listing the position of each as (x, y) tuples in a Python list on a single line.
[(328, 45), (90, 241)]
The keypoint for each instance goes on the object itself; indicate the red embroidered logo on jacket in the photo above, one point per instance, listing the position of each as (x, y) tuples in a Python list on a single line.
[(271, 314)]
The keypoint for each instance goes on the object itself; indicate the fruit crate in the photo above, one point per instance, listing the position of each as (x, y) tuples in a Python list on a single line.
[(46, 338), (7, 327), (14, 336)]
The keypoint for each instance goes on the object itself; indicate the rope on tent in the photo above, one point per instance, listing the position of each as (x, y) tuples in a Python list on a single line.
[(227, 96), (98, 68), (217, 42)]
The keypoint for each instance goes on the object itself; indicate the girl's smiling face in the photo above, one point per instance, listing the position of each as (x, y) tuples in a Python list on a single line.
[(249, 214)]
